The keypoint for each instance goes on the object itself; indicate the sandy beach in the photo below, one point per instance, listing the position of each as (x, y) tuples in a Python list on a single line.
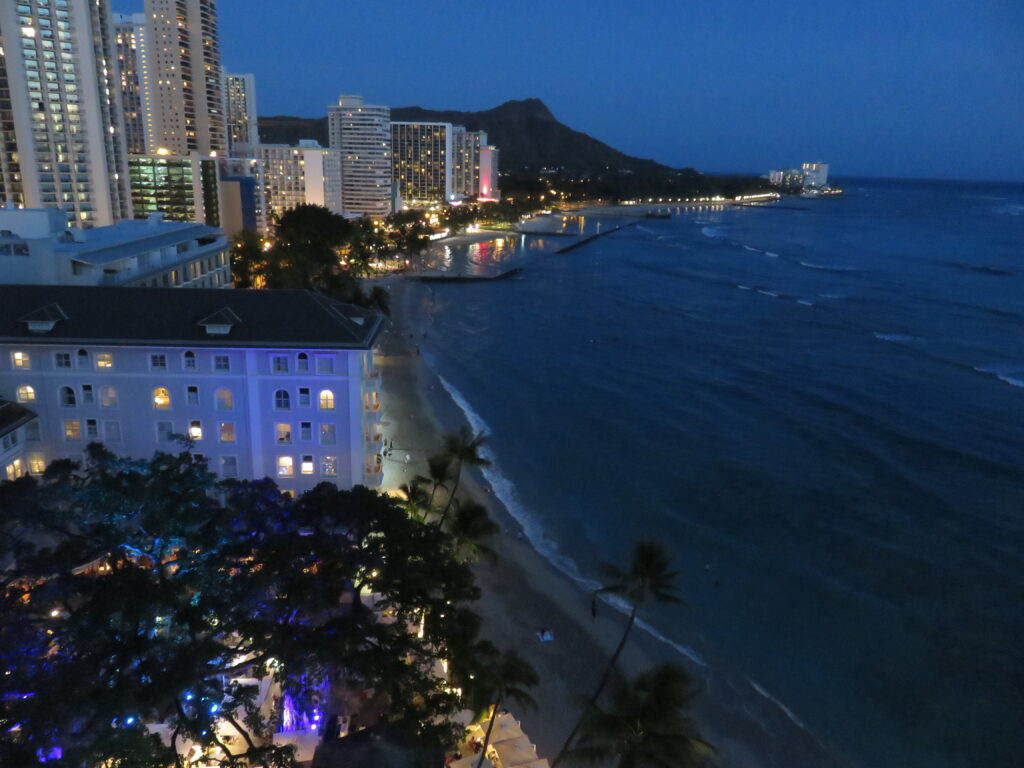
[(523, 592)]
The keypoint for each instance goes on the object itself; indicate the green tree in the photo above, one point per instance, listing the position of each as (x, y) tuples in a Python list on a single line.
[(500, 677), (461, 449), (469, 527), (648, 577), (439, 470), (646, 725)]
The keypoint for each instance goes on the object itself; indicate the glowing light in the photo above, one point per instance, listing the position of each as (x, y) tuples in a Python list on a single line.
[(163, 151)]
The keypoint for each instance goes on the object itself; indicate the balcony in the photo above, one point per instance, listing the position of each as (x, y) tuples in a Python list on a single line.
[(373, 473), (372, 410)]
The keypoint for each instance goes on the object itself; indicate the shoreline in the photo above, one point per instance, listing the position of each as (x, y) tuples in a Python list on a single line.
[(525, 592)]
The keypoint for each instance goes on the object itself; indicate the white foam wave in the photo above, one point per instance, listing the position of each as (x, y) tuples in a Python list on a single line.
[(768, 293), (712, 232), (744, 287), (805, 302), (505, 490), (896, 338), (771, 255), (754, 250), (827, 267), (1003, 374), (833, 295), (789, 713)]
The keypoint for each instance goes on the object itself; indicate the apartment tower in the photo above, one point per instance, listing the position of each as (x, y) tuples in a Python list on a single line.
[(363, 134), (242, 128), (421, 161), (466, 146), (130, 42)]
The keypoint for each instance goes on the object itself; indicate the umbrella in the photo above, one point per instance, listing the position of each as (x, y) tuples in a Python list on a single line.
[(515, 752), (505, 728)]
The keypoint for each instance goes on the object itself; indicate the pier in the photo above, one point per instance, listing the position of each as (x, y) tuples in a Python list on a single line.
[(591, 238)]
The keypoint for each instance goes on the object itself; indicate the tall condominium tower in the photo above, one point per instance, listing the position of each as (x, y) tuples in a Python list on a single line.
[(130, 37), (466, 146), (363, 134), (489, 189), (61, 129), (240, 97), (185, 78), (306, 174), (421, 161)]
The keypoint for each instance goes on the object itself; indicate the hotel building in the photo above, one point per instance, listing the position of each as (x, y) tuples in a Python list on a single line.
[(490, 189), (182, 188), (61, 128), (306, 174), (422, 162), (362, 133), (130, 42), (815, 175), (276, 384), (18, 429), (242, 127), (466, 148)]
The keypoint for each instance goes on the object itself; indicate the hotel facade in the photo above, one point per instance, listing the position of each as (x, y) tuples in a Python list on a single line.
[(362, 133), (422, 160), (306, 174)]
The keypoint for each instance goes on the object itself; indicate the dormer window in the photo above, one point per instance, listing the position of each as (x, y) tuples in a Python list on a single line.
[(44, 319), (220, 322)]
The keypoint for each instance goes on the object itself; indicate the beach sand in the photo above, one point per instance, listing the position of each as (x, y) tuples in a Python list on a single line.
[(523, 592)]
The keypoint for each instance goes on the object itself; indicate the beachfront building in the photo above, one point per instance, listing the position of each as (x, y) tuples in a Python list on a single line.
[(466, 148), (362, 133), (181, 187), (20, 452), (815, 175), (276, 384), (184, 80), (242, 127), (422, 160), (490, 189), (61, 129), (130, 45), (37, 247), (306, 174)]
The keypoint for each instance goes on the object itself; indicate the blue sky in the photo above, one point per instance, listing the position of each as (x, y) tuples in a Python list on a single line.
[(928, 88)]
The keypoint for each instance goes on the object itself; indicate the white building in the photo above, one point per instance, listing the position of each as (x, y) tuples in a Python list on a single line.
[(242, 124), (362, 132), (306, 174), (422, 160), (815, 175), (36, 247), (490, 189), (130, 45), (276, 384), (19, 430), (61, 128), (466, 147)]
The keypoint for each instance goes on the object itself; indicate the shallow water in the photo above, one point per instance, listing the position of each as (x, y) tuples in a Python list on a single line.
[(819, 408)]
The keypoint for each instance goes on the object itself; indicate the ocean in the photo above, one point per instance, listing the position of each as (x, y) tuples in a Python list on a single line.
[(818, 406)]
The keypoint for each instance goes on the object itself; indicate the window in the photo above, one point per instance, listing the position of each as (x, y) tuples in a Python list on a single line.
[(327, 434), (72, 430), (108, 397), (32, 430), (191, 395), (112, 431), (158, 362), (36, 464), (221, 363), (284, 434), (302, 362), (62, 359), (67, 397), (88, 396), (14, 470), (104, 361), (224, 400), (92, 428), (21, 360), (164, 431), (282, 400), (26, 394), (188, 361), (83, 358), (305, 430), (279, 363), (229, 466), (195, 430), (285, 467), (307, 465), (226, 430), (329, 466), (303, 396), (326, 400), (161, 398), (324, 364)]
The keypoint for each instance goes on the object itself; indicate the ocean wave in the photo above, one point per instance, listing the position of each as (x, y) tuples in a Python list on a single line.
[(768, 293), (828, 267), (771, 255), (896, 338), (805, 302), (712, 232), (1009, 210), (752, 249), (744, 287), (836, 296), (1004, 374), (505, 490), (789, 713)]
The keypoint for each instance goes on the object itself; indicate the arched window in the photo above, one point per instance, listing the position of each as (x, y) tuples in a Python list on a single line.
[(67, 397), (83, 358), (302, 361), (108, 397), (188, 361), (282, 400), (26, 394), (326, 400), (161, 398), (224, 400)]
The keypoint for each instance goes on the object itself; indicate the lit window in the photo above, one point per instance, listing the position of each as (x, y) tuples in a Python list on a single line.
[(92, 428), (108, 397), (158, 362), (192, 395), (302, 363), (326, 400), (227, 432), (324, 364), (279, 364), (161, 398), (26, 394), (329, 466), (88, 396), (307, 465), (229, 466), (282, 400), (36, 464), (303, 397), (104, 360), (305, 430), (14, 470), (221, 363), (284, 434), (328, 436), (285, 467), (72, 430), (195, 430), (112, 431), (188, 361), (224, 400), (67, 397), (62, 359)]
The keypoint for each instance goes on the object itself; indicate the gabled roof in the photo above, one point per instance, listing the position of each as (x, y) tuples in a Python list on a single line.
[(12, 416), (177, 317)]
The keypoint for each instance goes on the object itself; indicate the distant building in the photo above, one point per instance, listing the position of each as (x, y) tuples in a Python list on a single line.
[(130, 40), (466, 148), (242, 125), (37, 247), (243, 204), (422, 161), (276, 384), (775, 178), (19, 433), (815, 175), (306, 174), (181, 187), (61, 128), (362, 133), (490, 189)]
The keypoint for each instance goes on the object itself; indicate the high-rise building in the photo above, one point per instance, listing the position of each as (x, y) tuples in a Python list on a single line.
[(362, 132), (185, 79), (815, 175), (130, 38), (466, 146), (489, 186), (243, 204), (61, 128), (421, 161), (240, 96), (181, 187), (306, 174)]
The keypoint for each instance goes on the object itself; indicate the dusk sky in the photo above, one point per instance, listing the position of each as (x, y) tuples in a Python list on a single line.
[(925, 88)]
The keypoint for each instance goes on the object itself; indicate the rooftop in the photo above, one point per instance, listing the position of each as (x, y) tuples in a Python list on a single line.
[(13, 416), (127, 238), (183, 317)]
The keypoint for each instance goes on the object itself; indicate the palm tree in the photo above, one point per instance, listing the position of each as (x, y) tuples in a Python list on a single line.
[(417, 500), (646, 724), (501, 676), (468, 528), (440, 471), (648, 577), (462, 448)]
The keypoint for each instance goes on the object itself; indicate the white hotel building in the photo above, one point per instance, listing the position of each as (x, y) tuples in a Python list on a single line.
[(277, 384), (362, 132)]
